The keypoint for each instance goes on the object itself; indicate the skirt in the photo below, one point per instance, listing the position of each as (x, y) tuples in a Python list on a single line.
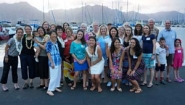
[(98, 68), (80, 67)]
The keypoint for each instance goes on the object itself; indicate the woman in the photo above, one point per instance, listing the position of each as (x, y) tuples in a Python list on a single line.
[(121, 32), (77, 49), (136, 65), (43, 59), (12, 50), (27, 58), (138, 32), (52, 27), (59, 31), (95, 62), (84, 28), (54, 56), (65, 25), (101, 39), (116, 54), (67, 56), (45, 25), (149, 47), (113, 34), (128, 36)]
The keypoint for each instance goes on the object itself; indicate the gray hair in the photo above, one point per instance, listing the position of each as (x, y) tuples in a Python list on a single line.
[(84, 24), (151, 19), (95, 23)]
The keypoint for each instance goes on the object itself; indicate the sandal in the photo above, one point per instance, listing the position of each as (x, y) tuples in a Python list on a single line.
[(138, 91), (85, 88), (143, 84), (92, 88), (99, 90), (50, 93), (133, 89), (112, 89), (150, 85), (72, 88), (58, 90), (119, 89)]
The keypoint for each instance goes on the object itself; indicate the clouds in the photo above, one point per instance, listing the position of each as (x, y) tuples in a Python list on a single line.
[(146, 6)]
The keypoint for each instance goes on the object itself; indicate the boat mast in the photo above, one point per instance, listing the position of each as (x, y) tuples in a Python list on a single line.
[(43, 12), (127, 12), (102, 14)]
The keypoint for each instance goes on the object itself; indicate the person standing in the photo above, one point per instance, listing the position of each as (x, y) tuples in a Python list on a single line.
[(154, 30), (95, 27), (27, 58), (170, 36), (12, 50), (55, 60)]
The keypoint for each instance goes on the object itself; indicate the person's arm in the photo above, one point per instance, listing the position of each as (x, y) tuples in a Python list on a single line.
[(99, 56), (6, 52), (48, 50), (72, 52), (110, 60), (154, 46), (107, 49), (51, 60), (88, 60)]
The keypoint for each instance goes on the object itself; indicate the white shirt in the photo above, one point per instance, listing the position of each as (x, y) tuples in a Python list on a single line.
[(139, 38), (161, 53), (109, 41)]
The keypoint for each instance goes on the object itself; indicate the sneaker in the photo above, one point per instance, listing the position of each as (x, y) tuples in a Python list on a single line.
[(181, 79), (156, 83), (178, 80), (168, 80), (36, 60), (162, 82), (109, 84)]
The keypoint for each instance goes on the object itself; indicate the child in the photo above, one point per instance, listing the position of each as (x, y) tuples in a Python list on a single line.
[(161, 53), (178, 60)]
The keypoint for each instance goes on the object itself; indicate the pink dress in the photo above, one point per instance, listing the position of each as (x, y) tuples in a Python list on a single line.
[(178, 58)]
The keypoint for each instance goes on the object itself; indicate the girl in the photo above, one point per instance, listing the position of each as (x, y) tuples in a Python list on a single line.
[(101, 39), (77, 49), (121, 31), (96, 63), (116, 55), (54, 56), (45, 25), (178, 60), (128, 36), (149, 47), (12, 50), (52, 27), (136, 65)]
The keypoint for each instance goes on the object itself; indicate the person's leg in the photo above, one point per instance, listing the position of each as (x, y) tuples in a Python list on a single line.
[(37, 54), (24, 63), (75, 79), (58, 76), (169, 63), (31, 65), (175, 73), (98, 80), (14, 72), (113, 84), (138, 89), (118, 85), (84, 79), (145, 77), (151, 77), (133, 85), (93, 82)]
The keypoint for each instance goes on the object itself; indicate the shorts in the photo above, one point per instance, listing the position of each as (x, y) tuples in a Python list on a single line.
[(169, 59), (161, 68), (147, 60)]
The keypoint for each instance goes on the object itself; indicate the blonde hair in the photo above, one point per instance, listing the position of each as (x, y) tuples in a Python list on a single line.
[(99, 31)]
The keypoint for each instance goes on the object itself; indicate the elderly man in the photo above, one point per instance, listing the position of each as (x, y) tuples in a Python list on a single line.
[(170, 36), (95, 27), (154, 30)]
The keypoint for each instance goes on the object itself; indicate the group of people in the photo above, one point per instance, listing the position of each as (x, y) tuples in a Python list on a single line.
[(106, 55)]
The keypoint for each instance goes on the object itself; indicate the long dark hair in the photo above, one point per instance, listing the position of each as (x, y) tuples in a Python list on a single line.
[(111, 34), (64, 24), (137, 49), (91, 37), (42, 29), (83, 38), (112, 48), (140, 32), (177, 40)]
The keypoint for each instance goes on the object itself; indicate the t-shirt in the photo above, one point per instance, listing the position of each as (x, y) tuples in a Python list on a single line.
[(139, 38), (148, 44), (102, 42), (109, 41), (78, 50), (161, 53), (12, 51)]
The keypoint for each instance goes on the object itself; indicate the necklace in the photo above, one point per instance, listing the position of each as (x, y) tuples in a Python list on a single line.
[(27, 43)]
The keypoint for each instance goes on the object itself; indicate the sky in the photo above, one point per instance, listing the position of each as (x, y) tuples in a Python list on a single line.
[(142, 6)]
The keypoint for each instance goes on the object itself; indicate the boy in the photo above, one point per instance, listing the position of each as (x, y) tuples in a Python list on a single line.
[(161, 53)]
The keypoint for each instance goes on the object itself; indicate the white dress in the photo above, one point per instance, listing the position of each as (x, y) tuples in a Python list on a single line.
[(97, 68)]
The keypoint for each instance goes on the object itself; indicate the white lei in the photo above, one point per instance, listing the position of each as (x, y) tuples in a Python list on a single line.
[(18, 44), (62, 42)]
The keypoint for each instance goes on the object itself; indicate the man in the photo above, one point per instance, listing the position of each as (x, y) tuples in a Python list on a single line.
[(109, 26), (154, 30), (95, 27), (170, 36)]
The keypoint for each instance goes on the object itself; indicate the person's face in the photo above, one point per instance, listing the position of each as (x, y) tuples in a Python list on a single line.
[(121, 31), (19, 34), (68, 32), (132, 43), (177, 43), (90, 34), (28, 30), (52, 27), (128, 31), (138, 28), (109, 27), (36, 33), (83, 28), (41, 32), (91, 42), (113, 33), (103, 30), (126, 25), (65, 26), (146, 29), (53, 36), (46, 25), (95, 27), (151, 23), (167, 24), (162, 42), (79, 35), (117, 44), (59, 32)]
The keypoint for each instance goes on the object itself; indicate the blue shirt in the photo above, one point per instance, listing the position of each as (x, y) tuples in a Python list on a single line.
[(54, 52), (78, 50), (170, 36), (148, 43), (102, 42)]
